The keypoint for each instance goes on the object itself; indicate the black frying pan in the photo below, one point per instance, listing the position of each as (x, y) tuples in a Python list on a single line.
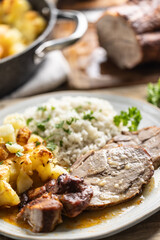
[(16, 70)]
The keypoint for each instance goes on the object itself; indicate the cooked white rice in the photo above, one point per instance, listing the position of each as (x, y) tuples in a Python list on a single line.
[(75, 124)]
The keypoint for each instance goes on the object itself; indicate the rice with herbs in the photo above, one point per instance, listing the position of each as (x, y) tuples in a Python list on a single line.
[(73, 125)]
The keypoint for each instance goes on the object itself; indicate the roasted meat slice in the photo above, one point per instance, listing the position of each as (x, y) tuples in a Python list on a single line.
[(148, 138), (76, 195), (43, 213), (116, 174), (131, 33)]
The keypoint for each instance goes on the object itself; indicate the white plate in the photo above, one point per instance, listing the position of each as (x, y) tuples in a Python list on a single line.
[(129, 217)]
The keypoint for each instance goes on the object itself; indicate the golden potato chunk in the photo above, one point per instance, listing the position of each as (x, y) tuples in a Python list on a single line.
[(17, 120), (35, 139), (39, 156), (14, 147), (23, 136), (4, 172), (12, 10), (24, 182), (8, 197), (7, 133), (3, 152), (25, 163)]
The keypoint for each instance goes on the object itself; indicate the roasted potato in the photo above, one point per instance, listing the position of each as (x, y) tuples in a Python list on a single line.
[(24, 182), (17, 120), (14, 147), (19, 26), (23, 136), (3, 152), (4, 172), (40, 156), (12, 10), (8, 197), (7, 133)]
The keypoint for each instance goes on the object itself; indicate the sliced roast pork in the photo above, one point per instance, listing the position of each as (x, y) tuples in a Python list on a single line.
[(116, 174), (148, 138), (43, 213), (131, 33)]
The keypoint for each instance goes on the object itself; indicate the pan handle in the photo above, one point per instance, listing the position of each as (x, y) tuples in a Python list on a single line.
[(59, 44)]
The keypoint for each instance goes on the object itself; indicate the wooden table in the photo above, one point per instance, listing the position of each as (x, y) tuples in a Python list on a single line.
[(150, 228)]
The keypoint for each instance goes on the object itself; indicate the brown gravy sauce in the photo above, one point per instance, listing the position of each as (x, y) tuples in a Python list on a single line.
[(86, 219)]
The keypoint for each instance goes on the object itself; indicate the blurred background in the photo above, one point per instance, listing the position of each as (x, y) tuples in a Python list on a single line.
[(120, 48)]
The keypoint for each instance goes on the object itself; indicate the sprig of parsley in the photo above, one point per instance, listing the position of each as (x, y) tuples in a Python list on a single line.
[(59, 125), (51, 146), (69, 122), (42, 108), (19, 154), (1, 162), (29, 120), (89, 116), (153, 93), (131, 118)]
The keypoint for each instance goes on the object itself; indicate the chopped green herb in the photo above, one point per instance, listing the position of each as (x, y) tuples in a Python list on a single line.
[(19, 154), (69, 122), (42, 108), (59, 125), (1, 162), (153, 93), (29, 120), (37, 143), (61, 143), (100, 110), (68, 169), (53, 108), (47, 120), (51, 146), (36, 133), (78, 109), (67, 130), (41, 126), (89, 103), (89, 116), (131, 118), (9, 143)]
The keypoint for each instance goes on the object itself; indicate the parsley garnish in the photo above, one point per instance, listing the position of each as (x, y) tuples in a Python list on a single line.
[(19, 154), (69, 122), (29, 120), (37, 143), (67, 130), (78, 109), (61, 143), (131, 118), (47, 120), (41, 126), (89, 116), (51, 146), (53, 108), (59, 125), (9, 143), (42, 108), (153, 93), (1, 162)]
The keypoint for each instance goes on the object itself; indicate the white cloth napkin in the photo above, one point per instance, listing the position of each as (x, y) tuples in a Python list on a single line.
[(50, 75)]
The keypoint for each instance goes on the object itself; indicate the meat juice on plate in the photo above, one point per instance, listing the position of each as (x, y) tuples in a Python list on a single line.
[(88, 218)]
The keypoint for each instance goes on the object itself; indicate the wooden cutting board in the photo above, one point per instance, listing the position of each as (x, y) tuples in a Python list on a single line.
[(90, 68), (90, 4)]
